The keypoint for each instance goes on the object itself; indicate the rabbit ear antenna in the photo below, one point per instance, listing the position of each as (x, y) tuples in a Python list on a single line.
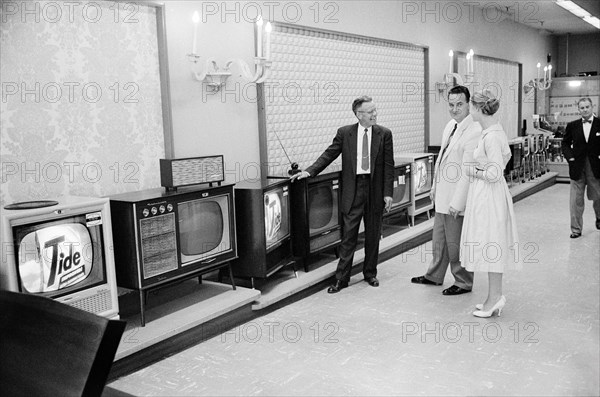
[(293, 165)]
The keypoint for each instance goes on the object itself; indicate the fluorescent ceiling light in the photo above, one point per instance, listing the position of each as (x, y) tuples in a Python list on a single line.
[(567, 5), (579, 12), (593, 21), (575, 83)]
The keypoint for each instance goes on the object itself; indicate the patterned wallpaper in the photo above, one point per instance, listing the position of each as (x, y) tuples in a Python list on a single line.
[(81, 102), (315, 77)]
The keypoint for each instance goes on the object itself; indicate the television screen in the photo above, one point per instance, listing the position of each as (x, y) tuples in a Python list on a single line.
[(203, 227), (277, 225), (60, 256), (515, 158), (401, 192), (422, 175), (322, 207)]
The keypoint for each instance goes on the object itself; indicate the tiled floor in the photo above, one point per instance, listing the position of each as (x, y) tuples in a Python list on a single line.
[(405, 339)]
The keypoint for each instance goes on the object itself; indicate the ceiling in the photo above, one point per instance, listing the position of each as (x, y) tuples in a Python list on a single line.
[(546, 15)]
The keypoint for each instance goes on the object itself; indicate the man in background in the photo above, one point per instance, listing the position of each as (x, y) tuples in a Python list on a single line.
[(366, 189), (449, 193), (581, 148)]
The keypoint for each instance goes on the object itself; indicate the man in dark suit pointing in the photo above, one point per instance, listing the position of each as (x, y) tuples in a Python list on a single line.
[(366, 189), (581, 147)]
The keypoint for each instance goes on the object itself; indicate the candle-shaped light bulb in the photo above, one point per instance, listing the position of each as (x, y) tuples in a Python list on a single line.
[(545, 72), (549, 72), (472, 56), (268, 29), (538, 72), (259, 24), (195, 20), (451, 55), (468, 63)]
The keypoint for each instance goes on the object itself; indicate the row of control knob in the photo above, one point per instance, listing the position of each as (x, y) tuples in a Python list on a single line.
[(155, 210)]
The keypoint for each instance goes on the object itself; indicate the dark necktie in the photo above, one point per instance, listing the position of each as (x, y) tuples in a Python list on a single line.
[(587, 121), (365, 151), (449, 139)]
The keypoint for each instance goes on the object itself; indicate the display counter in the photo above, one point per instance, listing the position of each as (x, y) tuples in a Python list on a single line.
[(535, 154)]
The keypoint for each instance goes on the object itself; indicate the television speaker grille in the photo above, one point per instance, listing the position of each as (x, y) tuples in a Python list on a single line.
[(422, 202), (191, 171), (98, 303), (325, 240), (159, 245)]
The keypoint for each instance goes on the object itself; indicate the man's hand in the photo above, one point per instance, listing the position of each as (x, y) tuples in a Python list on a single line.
[(453, 212), (388, 203), (299, 175)]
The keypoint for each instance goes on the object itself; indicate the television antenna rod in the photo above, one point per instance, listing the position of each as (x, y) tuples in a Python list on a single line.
[(294, 166)]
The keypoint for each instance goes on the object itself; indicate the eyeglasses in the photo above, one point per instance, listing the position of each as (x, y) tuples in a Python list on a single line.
[(370, 112)]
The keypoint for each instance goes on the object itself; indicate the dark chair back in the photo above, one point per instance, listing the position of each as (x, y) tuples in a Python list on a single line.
[(49, 348)]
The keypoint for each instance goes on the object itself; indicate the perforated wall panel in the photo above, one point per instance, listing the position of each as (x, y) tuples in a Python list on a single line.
[(314, 79)]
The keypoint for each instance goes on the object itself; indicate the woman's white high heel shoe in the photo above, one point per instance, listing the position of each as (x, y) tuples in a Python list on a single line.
[(497, 307)]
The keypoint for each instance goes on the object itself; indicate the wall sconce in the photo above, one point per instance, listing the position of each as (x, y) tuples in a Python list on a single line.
[(538, 83), (215, 77), (451, 79)]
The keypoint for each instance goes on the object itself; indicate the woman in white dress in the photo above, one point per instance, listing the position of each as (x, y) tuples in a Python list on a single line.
[(489, 239)]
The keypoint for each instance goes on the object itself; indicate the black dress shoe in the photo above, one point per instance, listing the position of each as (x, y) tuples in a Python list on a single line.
[(423, 280), (337, 287), (575, 235), (455, 290), (373, 282), (598, 224)]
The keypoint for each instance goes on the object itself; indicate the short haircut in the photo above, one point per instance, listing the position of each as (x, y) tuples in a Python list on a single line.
[(460, 89), (584, 99), (359, 101)]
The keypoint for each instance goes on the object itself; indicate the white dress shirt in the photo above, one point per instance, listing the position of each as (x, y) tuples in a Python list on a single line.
[(587, 127)]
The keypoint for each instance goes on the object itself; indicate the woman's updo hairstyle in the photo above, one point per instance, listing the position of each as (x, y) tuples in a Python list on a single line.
[(486, 101)]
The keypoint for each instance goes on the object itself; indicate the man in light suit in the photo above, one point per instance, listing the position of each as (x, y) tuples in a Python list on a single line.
[(449, 193), (581, 148), (366, 189)]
